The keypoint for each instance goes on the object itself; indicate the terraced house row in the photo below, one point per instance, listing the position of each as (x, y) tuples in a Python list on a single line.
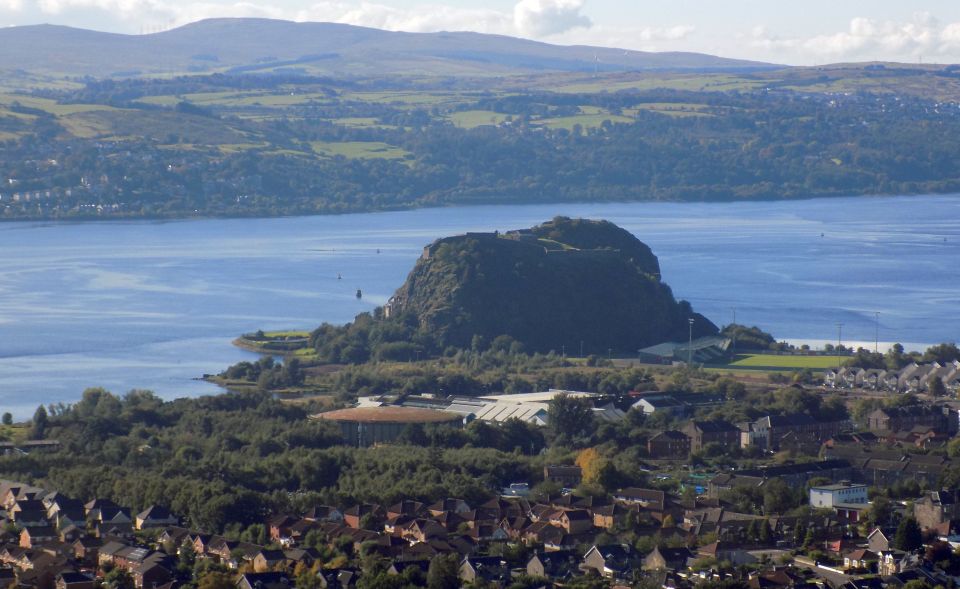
[(912, 378)]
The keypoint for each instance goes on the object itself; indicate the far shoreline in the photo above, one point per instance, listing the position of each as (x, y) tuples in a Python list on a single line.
[(500, 201)]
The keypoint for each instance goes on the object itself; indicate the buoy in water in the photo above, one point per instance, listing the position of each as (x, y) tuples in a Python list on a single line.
[(359, 294), (339, 277)]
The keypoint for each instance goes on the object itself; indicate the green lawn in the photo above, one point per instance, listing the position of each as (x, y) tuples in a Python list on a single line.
[(697, 83), (772, 360), (358, 150), (470, 119), (289, 333), (585, 121)]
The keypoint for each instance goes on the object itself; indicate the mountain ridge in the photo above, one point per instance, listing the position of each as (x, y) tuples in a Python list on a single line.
[(217, 45)]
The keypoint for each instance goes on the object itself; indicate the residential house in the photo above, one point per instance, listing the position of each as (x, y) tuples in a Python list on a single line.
[(878, 541), (114, 521), (86, 550), (795, 475), (74, 580), (448, 505), (667, 559), (664, 403), (70, 534), (94, 508), (647, 498), (724, 551), (862, 559), (936, 507), (324, 513), (559, 565), (155, 516), (268, 580), (892, 419), (798, 428), (669, 444), (176, 536), (339, 578), (543, 532), (398, 567), (573, 521), (406, 507), (612, 561), (566, 476), (353, 516), (279, 528), (489, 569), (269, 560), (31, 536), (613, 515), (716, 431), (154, 572)]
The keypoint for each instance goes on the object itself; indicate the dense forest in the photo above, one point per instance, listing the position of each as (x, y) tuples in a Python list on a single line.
[(337, 152), (227, 461)]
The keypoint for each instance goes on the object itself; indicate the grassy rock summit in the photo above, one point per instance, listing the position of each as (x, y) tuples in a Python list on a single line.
[(547, 287)]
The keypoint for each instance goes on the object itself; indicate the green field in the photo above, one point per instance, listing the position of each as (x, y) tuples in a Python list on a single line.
[(289, 333), (359, 149), (470, 119), (585, 121), (774, 361)]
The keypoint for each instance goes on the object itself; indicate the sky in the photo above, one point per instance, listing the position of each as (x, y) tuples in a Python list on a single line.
[(812, 32)]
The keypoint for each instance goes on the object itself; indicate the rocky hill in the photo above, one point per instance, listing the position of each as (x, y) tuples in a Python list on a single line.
[(548, 287)]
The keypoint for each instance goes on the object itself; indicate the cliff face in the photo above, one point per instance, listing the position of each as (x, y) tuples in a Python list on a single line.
[(551, 286)]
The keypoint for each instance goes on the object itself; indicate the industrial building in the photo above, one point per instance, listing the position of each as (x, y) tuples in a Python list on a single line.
[(368, 426), (528, 407)]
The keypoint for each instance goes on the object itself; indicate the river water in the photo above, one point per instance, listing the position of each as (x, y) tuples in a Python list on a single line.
[(154, 305)]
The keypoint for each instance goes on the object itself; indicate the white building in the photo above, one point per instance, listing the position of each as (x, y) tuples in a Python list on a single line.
[(839, 495)]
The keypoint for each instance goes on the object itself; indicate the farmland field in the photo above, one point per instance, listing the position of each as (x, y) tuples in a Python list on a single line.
[(775, 361)]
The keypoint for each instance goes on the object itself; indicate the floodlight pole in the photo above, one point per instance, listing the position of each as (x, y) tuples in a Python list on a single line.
[(876, 340), (734, 333), (690, 343), (839, 340)]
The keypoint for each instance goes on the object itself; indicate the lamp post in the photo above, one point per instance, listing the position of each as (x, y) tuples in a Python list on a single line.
[(690, 343), (839, 340), (876, 340), (734, 333)]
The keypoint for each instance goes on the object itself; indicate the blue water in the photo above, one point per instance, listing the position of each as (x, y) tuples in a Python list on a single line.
[(155, 304)]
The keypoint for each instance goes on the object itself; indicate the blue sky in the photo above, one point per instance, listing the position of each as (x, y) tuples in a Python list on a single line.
[(811, 32)]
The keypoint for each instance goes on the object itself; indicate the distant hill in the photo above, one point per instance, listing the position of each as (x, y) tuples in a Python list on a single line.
[(233, 45), (556, 284)]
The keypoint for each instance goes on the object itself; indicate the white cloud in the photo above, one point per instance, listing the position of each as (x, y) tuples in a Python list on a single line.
[(420, 19), (869, 39), (542, 18), (637, 38), (558, 21)]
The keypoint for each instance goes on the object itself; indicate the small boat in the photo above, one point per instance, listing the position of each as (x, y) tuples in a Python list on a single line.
[(339, 277), (359, 294)]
